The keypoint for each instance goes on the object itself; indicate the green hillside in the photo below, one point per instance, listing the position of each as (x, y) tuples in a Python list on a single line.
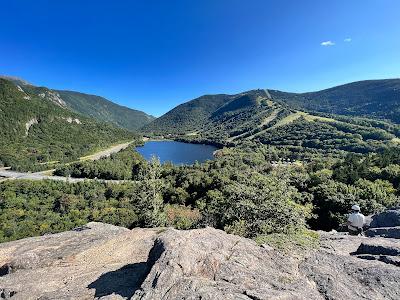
[(196, 115), (189, 116), (369, 98), (104, 110), (92, 106), (266, 117), (36, 128), (285, 169)]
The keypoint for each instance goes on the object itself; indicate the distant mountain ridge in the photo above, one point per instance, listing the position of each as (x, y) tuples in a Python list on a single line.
[(357, 117), (15, 79), (92, 106), (368, 98), (105, 110), (37, 127), (379, 99)]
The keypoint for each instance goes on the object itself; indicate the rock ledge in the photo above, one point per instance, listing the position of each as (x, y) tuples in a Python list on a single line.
[(100, 261)]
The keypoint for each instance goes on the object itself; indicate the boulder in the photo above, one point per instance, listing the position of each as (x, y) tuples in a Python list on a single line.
[(94, 261), (387, 232), (394, 260), (388, 218), (379, 248), (211, 264)]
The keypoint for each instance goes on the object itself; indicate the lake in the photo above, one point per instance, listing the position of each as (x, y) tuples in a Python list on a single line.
[(177, 152)]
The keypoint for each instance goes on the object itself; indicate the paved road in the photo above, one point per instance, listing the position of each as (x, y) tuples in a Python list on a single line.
[(35, 176), (5, 173), (38, 176)]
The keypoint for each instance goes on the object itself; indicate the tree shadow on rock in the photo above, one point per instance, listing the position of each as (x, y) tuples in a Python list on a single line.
[(124, 281)]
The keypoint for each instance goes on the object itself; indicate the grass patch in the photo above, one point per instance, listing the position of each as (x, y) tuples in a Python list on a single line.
[(396, 140), (298, 114), (309, 117), (161, 230), (303, 240), (289, 119)]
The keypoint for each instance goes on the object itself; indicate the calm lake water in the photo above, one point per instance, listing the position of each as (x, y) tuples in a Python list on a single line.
[(177, 152)]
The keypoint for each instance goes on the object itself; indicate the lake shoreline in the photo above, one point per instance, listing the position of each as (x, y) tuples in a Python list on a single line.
[(176, 152), (182, 140)]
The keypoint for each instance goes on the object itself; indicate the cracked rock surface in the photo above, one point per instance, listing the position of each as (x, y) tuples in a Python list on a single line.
[(100, 261)]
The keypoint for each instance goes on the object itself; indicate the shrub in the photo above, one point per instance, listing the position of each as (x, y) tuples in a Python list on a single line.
[(182, 217)]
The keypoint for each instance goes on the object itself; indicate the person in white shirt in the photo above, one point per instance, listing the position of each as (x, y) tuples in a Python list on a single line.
[(355, 221)]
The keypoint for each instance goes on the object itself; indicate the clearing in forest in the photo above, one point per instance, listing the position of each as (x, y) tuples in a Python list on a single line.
[(266, 120), (396, 140), (293, 117)]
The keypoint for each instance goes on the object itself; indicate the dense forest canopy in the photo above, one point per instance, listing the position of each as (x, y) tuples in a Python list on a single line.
[(282, 169), (369, 98), (285, 119), (104, 110), (92, 106), (252, 195), (38, 128)]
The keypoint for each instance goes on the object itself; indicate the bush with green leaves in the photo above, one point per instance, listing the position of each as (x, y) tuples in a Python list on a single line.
[(241, 191)]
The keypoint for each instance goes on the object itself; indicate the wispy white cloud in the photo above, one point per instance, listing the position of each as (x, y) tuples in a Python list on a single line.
[(347, 40), (327, 43)]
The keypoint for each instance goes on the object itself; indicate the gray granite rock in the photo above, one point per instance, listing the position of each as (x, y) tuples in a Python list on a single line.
[(387, 232), (210, 264), (95, 261), (388, 218), (379, 247), (102, 261)]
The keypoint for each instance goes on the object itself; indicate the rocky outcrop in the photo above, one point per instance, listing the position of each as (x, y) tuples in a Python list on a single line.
[(29, 124), (387, 232), (70, 120), (385, 224), (386, 252), (388, 218), (379, 247), (107, 262), (25, 96), (53, 97), (210, 264), (93, 261)]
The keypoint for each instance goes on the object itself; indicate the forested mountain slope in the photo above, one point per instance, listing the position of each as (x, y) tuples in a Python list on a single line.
[(189, 116), (92, 106), (197, 114), (369, 98), (37, 127), (104, 110), (272, 117)]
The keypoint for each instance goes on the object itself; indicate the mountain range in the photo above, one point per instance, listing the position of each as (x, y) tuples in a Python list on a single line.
[(359, 117), (38, 127), (92, 106), (368, 98), (39, 124)]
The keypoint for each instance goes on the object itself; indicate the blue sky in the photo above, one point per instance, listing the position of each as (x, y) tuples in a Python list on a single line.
[(152, 55)]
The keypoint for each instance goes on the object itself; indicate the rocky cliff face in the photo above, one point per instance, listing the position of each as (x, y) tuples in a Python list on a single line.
[(106, 262)]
